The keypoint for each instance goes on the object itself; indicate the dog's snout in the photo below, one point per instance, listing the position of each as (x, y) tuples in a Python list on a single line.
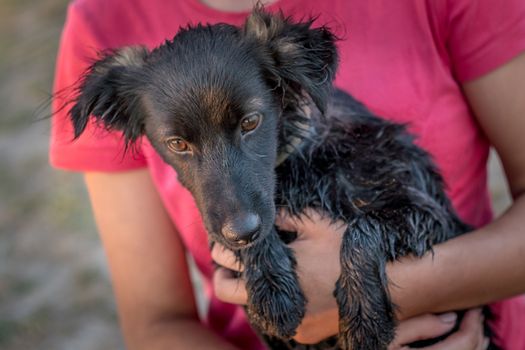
[(242, 229)]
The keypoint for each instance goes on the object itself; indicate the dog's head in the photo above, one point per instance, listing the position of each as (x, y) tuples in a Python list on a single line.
[(211, 102)]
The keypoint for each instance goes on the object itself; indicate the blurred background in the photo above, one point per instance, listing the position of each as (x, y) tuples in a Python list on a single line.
[(54, 289), (54, 286)]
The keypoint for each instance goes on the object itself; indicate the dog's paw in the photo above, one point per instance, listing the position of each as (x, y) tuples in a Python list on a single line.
[(365, 323), (360, 337), (276, 303)]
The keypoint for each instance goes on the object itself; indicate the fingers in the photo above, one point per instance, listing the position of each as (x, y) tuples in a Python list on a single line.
[(469, 336), (423, 327), (228, 288), (225, 258)]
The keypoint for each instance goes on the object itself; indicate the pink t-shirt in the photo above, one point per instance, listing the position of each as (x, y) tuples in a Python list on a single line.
[(403, 59)]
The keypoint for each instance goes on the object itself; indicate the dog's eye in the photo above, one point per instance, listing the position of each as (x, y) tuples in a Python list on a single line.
[(177, 144), (250, 122)]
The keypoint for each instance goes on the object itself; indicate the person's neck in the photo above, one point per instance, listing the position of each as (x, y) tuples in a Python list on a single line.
[(234, 5)]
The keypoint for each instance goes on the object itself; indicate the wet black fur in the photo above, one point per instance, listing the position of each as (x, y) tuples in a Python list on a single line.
[(351, 165)]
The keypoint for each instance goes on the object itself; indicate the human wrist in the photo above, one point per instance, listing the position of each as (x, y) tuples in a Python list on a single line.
[(455, 275), (411, 296)]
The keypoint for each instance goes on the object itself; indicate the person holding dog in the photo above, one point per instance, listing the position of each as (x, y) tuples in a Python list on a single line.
[(453, 71)]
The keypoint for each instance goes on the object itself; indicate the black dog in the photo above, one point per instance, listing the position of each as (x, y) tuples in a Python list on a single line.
[(223, 105)]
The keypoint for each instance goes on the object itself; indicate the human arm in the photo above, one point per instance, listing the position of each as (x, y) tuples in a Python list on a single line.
[(486, 265), (147, 263)]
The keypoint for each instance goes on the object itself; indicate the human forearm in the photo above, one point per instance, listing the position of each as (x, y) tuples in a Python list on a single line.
[(175, 334), (481, 267), (148, 267), (474, 269)]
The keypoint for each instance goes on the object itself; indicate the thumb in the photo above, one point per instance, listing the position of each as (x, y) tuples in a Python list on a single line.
[(427, 326)]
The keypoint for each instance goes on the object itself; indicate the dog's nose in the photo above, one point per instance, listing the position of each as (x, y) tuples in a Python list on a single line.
[(242, 229)]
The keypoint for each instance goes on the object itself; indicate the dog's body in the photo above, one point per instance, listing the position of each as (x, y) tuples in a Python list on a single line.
[(222, 105), (366, 171)]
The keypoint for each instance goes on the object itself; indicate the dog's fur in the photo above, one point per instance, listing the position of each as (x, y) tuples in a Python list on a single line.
[(349, 164)]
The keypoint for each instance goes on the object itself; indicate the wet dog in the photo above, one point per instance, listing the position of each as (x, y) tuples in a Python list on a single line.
[(249, 120)]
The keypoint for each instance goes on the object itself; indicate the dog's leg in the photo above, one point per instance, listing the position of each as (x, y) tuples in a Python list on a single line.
[(366, 318), (276, 304)]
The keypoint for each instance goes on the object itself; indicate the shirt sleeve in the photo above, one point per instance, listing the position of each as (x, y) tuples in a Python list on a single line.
[(96, 149), (484, 34)]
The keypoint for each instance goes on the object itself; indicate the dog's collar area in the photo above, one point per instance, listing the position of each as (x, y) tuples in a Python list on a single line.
[(301, 129)]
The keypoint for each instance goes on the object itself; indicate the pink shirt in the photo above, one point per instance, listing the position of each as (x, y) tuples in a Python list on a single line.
[(404, 59)]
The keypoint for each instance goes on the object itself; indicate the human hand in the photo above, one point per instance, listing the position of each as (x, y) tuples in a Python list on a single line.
[(317, 252), (469, 336)]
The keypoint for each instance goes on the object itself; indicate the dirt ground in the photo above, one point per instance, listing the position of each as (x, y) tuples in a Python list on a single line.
[(54, 288)]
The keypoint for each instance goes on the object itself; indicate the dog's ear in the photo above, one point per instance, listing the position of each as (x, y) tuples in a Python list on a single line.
[(298, 57), (109, 91)]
